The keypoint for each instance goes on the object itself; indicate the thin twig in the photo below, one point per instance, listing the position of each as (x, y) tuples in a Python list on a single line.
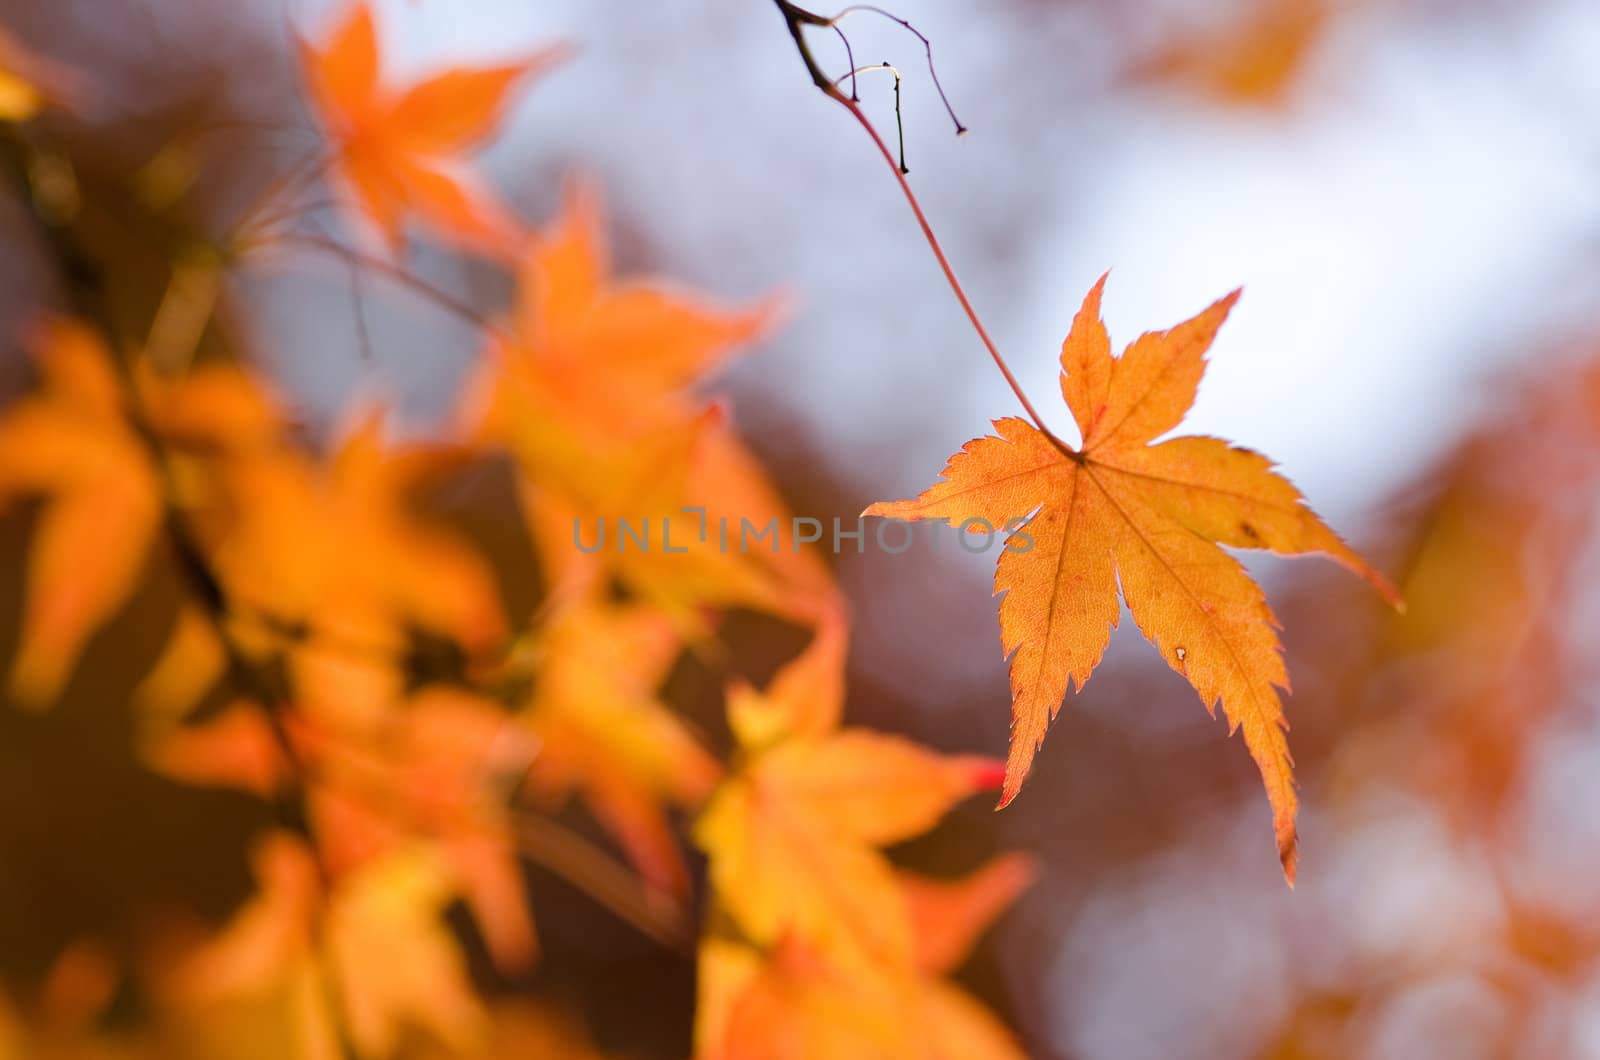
[(927, 46), (278, 198), (899, 123), (567, 854), (850, 60), (358, 310), (944, 264), (798, 19), (394, 273)]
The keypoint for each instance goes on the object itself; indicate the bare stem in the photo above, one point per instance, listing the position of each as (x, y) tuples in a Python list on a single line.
[(564, 852), (899, 122), (927, 46), (797, 19), (395, 274)]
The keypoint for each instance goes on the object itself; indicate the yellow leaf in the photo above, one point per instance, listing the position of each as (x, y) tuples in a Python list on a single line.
[(397, 965), (70, 444), (398, 149), (604, 735), (1147, 517), (793, 835)]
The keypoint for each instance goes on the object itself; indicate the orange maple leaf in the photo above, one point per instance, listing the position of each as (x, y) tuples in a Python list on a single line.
[(398, 150), (1251, 60), (379, 933), (595, 362), (818, 946), (604, 735), (1149, 517), (796, 1002), (71, 443), (345, 546), (595, 395), (793, 836), (436, 768)]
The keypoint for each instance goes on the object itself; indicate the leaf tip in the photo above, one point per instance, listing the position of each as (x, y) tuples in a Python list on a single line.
[(1288, 848), (1010, 786)]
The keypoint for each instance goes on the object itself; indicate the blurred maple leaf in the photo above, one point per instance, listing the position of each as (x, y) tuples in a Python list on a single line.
[(398, 150), (395, 966), (594, 395), (28, 81), (1251, 59), (826, 950), (793, 835), (343, 547), (1147, 517), (438, 766), (71, 443), (603, 733), (794, 1003)]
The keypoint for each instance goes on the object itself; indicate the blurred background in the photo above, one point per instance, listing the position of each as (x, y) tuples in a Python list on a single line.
[(1409, 193)]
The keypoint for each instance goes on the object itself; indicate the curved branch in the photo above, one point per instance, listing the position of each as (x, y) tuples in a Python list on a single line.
[(798, 19)]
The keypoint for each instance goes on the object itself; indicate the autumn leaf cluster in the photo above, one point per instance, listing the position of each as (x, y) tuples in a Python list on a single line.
[(418, 731), (426, 712)]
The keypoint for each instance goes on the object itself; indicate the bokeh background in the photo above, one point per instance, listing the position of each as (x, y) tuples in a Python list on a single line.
[(1409, 192)]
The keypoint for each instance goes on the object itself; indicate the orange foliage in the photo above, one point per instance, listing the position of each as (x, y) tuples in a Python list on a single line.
[(1251, 59), (827, 951), (419, 729), (72, 444), (397, 150), (1121, 511), (346, 656)]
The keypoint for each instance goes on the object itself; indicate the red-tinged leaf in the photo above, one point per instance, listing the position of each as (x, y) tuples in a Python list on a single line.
[(235, 749)]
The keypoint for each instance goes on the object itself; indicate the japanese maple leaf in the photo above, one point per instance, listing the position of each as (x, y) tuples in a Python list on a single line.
[(436, 767), (595, 393), (1251, 60), (399, 149), (605, 736), (1148, 517), (596, 362), (795, 1002), (817, 946), (369, 956), (71, 443), (794, 835), (345, 545)]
